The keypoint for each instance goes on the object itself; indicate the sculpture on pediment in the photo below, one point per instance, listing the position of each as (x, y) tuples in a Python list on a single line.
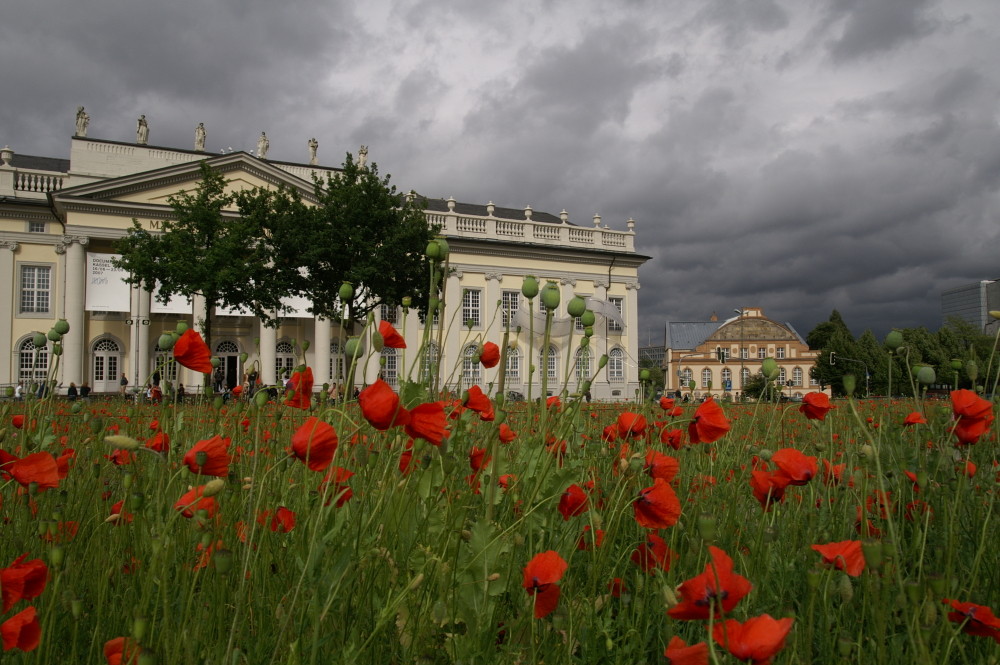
[(363, 156), (199, 137), (82, 121), (263, 144), (313, 147), (141, 130)]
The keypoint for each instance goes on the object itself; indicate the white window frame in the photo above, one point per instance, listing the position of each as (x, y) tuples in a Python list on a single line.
[(706, 377), (471, 369), (797, 377), (583, 363), (390, 370), (284, 359), (35, 309), (389, 313), (619, 303), (32, 362), (36, 226), (779, 353), (761, 353), (472, 309), (553, 368), (510, 303), (513, 374), (616, 365)]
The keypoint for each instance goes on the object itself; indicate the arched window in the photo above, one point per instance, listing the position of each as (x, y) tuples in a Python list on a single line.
[(336, 363), (226, 347), (430, 361), (583, 369), (513, 366), (797, 376), (390, 370), (706, 378), (470, 366), (551, 370), (33, 362), (744, 377), (616, 365), (782, 376), (163, 361), (727, 378), (284, 359), (687, 376), (107, 361)]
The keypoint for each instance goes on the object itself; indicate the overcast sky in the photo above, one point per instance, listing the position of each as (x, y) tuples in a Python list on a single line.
[(796, 155)]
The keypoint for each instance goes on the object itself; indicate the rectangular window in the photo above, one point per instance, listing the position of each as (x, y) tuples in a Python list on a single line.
[(780, 353), (36, 227), (513, 366), (35, 289), (471, 313), (388, 313), (619, 304), (761, 353), (510, 303), (745, 353)]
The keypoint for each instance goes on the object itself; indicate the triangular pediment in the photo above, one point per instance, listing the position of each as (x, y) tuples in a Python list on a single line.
[(144, 192)]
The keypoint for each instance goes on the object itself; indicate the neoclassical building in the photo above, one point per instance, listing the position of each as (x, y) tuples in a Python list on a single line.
[(719, 356), (60, 218)]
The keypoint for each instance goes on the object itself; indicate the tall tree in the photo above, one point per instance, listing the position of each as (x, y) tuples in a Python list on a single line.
[(208, 250)]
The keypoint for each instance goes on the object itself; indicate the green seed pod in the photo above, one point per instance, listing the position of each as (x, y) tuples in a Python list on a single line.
[(433, 251), (872, 551), (707, 527), (56, 557), (956, 364), (215, 361), (243, 357), (588, 331), (305, 345), (972, 370), (352, 347), (845, 590), (57, 349), (165, 342), (223, 560), (769, 368), (584, 342), (140, 626), (182, 327), (813, 577), (445, 250), (850, 383), (53, 335), (346, 292), (925, 374), (39, 340), (61, 326), (378, 342), (644, 375), (260, 398), (217, 403), (76, 408), (406, 302), (894, 340), (550, 295), (529, 287), (845, 646), (602, 361), (576, 306), (588, 319), (76, 608)]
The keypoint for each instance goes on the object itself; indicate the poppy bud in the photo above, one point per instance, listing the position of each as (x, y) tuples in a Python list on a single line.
[(121, 441), (914, 592), (844, 588), (588, 319), (529, 287), (260, 398), (584, 342), (769, 368), (602, 361), (576, 306), (139, 627), (243, 357), (57, 349), (644, 375), (181, 328), (76, 608), (136, 500), (223, 560), (352, 347), (845, 645), (378, 342), (707, 527), (972, 370), (813, 577), (550, 295), (127, 480), (61, 326), (849, 382), (165, 342), (922, 478), (872, 551), (56, 557), (53, 335), (39, 340), (305, 345), (346, 292), (866, 451), (217, 402)]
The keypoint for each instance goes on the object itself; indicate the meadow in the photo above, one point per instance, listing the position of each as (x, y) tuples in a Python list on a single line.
[(413, 529)]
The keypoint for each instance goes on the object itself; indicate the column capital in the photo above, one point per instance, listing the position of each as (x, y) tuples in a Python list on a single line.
[(632, 286), (567, 280), (601, 284), (83, 241), (9, 244), (491, 276)]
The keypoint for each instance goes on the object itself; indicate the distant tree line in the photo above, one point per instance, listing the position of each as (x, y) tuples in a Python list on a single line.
[(959, 354)]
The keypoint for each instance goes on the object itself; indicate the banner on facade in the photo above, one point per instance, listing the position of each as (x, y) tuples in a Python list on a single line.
[(176, 305), (106, 287), (298, 307)]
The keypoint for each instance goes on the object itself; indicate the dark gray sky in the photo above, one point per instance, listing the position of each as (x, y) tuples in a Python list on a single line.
[(797, 155)]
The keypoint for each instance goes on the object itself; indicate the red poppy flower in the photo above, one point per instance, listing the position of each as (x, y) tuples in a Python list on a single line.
[(480, 403), (427, 421), (21, 631), (191, 351), (616, 587), (160, 442), (39, 468), (380, 406), (390, 336), (590, 538), (299, 395), (768, 487), (506, 480), (506, 433), (337, 477), (209, 457), (573, 502), (915, 418), (315, 443), (631, 425), (845, 555), (22, 580), (666, 403), (283, 520), (974, 415), (654, 554), (679, 653), (833, 474), (121, 651), (610, 434), (657, 507), (758, 639), (798, 467), (17, 421), (709, 423), (540, 577), (979, 619), (490, 355), (478, 459), (816, 406), (193, 500), (553, 402), (673, 438), (717, 588), (663, 466)]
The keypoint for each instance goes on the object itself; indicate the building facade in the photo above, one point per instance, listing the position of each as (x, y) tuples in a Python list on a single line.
[(719, 357), (972, 303), (59, 220)]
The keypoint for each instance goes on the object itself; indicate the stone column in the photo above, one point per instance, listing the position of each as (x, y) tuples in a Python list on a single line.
[(268, 354), (491, 311), (199, 313), (75, 281), (142, 334), (321, 352), (631, 317), (7, 281)]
